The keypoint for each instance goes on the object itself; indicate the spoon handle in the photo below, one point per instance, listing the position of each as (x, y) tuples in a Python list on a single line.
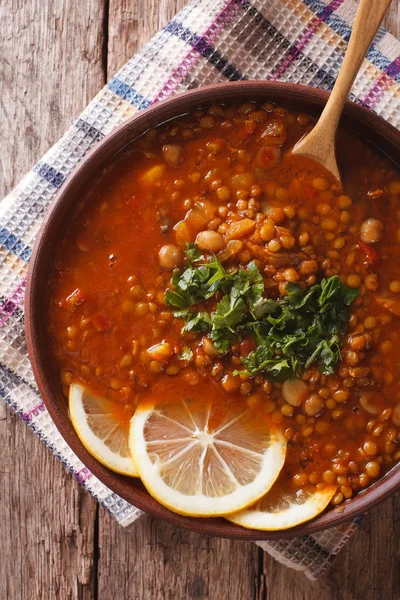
[(369, 16), (320, 140)]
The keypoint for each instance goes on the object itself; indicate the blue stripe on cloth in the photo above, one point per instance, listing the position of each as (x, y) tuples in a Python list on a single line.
[(89, 129), (374, 55), (50, 174), (320, 77), (14, 244), (128, 93), (9, 381), (213, 56)]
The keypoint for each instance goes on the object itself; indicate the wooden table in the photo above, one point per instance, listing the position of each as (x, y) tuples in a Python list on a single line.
[(55, 541)]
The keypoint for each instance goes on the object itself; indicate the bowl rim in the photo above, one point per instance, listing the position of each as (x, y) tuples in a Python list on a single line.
[(311, 99)]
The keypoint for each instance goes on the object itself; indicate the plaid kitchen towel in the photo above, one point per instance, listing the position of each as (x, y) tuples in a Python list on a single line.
[(210, 41)]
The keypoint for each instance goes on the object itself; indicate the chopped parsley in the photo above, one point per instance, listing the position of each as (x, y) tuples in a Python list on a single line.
[(304, 327), (186, 353)]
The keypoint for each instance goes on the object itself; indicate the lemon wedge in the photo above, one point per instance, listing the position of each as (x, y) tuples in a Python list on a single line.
[(103, 428), (284, 507), (200, 462)]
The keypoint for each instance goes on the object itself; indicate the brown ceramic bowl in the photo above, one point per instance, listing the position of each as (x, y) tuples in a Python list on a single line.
[(371, 127)]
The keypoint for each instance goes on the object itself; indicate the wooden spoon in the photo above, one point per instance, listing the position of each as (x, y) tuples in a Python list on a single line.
[(319, 143)]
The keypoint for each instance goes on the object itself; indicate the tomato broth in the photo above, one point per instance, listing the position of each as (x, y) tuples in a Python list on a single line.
[(221, 184)]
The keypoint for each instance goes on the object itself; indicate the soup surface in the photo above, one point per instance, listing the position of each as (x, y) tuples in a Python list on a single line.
[(159, 286)]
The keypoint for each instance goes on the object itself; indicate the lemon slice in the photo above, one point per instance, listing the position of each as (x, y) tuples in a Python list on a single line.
[(102, 427), (284, 507), (199, 462)]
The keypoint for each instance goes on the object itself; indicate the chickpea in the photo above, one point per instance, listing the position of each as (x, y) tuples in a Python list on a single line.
[(394, 286), (370, 322), (223, 193), (172, 370), (338, 499), (320, 183), (308, 267), (66, 377), (160, 352), (169, 257), (359, 342), (341, 396), (353, 281), (277, 215), (209, 347), (371, 231), (350, 358), (172, 153), (338, 243), (267, 230), (323, 209), (329, 224), (291, 275), (155, 367), (299, 480), (344, 202), (329, 477), (274, 246), (287, 410), (371, 282), (72, 331), (372, 402), (206, 122), (314, 404), (231, 383), (304, 238), (396, 415), (295, 391), (370, 448), (125, 361), (246, 388), (210, 240), (290, 211), (288, 242), (116, 384), (142, 309), (372, 469)]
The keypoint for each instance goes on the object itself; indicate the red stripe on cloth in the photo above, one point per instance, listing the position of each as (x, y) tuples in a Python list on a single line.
[(305, 37), (180, 72), (381, 84), (11, 304), (33, 412)]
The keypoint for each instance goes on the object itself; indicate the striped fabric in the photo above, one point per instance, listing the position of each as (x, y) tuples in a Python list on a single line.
[(210, 41)]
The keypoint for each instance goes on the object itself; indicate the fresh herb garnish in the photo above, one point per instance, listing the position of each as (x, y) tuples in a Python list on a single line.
[(305, 327), (186, 353)]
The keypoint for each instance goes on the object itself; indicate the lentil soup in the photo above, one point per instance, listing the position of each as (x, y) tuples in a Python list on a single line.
[(218, 187)]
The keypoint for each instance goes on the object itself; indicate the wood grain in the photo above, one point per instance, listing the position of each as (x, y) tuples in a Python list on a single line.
[(47, 522), (156, 560), (55, 542)]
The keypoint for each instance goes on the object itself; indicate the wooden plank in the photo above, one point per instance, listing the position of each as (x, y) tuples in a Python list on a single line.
[(156, 561), (46, 519), (392, 19), (132, 24)]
